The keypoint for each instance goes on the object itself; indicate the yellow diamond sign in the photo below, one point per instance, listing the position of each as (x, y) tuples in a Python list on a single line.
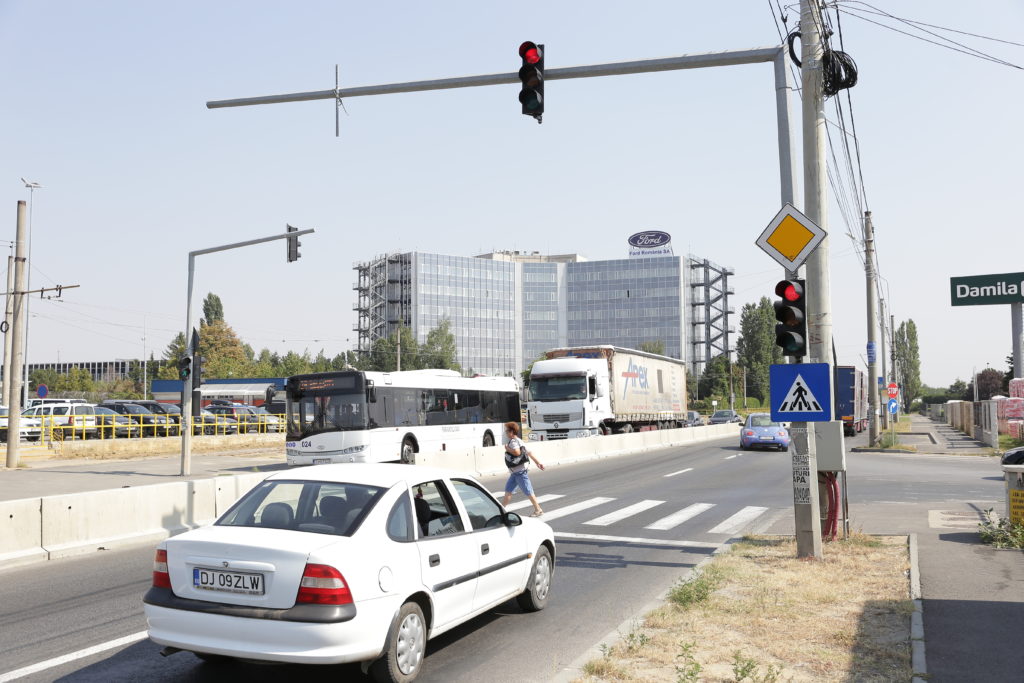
[(790, 238)]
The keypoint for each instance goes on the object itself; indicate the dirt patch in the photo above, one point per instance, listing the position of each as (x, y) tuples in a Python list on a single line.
[(758, 613)]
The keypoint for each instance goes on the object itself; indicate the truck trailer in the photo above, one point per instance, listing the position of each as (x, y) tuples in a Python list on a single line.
[(591, 390), (851, 399)]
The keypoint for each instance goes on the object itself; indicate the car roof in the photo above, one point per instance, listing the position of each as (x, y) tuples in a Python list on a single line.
[(371, 474)]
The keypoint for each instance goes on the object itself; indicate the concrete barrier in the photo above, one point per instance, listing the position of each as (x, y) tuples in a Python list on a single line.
[(21, 532), (37, 529)]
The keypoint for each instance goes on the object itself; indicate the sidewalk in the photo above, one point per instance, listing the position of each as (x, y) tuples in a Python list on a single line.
[(927, 436)]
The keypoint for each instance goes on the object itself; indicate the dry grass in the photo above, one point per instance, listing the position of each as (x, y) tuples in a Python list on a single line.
[(771, 617)]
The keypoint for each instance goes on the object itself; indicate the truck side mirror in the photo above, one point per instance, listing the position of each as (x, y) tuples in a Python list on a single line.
[(592, 385)]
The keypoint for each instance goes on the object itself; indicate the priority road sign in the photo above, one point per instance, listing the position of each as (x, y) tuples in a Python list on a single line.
[(893, 389), (800, 392), (790, 238)]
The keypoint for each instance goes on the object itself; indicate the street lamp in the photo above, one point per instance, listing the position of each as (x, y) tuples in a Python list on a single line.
[(32, 187)]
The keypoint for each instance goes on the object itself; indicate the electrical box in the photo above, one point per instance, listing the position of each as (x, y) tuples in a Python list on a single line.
[(830, 446)]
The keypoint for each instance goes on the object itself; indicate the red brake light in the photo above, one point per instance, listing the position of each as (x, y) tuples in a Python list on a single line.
[(323, 585), (161, 579), (750, 432)]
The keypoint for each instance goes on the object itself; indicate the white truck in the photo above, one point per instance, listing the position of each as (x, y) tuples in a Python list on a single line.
[(590, 390)]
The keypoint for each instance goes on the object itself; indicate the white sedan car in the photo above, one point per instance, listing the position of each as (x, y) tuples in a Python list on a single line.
[(346, 563)]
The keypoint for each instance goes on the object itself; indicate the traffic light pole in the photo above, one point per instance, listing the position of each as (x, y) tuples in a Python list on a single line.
[(186, 387)]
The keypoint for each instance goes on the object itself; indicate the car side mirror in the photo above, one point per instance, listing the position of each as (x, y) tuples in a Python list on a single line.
[(512, 519)]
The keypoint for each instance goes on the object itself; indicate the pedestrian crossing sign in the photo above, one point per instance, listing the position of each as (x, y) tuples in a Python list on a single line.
[(800, 392)]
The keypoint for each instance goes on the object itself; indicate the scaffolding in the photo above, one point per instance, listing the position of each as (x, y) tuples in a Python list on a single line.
[(383, 298), (709, 292)]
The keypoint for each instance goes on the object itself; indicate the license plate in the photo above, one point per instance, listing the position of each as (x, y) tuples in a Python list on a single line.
[(227, 582), (321, 461), (767, 438)]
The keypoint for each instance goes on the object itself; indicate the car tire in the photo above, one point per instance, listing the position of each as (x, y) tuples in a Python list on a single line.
[(408, 455), (538, 586), (743, 447), (407, 644)]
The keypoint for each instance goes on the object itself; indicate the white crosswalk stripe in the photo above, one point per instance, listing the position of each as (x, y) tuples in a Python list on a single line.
[(741, 519), (624, 513), (526, 503), (677, 518), (576, 507)]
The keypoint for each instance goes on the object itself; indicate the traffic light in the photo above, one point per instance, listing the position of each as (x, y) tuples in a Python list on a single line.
[(293, 245), (184, 368), (791, 312), (531, 74)]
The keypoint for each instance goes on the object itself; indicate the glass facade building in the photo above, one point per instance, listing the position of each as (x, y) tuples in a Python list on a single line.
[(507, 308)]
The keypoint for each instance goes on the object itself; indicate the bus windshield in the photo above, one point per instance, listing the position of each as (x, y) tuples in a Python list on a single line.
[(558, 388), (330, 403)]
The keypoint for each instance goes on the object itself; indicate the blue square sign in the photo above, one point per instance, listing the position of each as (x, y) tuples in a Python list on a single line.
[(800, 392)]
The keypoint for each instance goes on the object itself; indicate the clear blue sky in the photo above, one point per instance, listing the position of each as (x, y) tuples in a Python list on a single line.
[(105, 107)]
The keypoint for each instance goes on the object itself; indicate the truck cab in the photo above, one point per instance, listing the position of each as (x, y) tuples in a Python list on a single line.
[(568, 398)]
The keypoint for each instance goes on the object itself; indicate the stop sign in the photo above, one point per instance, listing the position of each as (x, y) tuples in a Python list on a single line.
[(894, 390)]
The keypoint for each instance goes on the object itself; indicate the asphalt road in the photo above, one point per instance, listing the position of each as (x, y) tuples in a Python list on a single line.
[(607, 568)]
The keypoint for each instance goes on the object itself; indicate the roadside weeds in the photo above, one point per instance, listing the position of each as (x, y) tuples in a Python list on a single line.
[(757, 613)]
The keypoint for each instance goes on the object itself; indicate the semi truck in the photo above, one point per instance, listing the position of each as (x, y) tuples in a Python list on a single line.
[(851, 399), (587, 391)]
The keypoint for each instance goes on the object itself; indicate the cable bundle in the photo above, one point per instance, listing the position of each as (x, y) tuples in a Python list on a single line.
[(839, 71)]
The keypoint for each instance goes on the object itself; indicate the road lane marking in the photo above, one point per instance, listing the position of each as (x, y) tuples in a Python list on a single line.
[(570, 509), (688, 469), (625, 512), (635, 540), (735, 523), (527, 503), (677, 518), (64, 659), (730, 457)]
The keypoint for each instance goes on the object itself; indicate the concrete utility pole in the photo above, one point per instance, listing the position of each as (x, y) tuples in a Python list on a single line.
[(17, 349), (8, 335), (869, 271), (1017, 326), (881, 352), (819, 323)]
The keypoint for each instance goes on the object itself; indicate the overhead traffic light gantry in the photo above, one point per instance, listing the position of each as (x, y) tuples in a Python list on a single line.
[(791, 314), (531, 75)]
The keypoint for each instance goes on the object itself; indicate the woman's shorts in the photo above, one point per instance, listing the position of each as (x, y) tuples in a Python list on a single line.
[(521, 480)]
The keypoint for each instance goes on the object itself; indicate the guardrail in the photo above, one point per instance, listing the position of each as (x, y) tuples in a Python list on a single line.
[(39, 529)]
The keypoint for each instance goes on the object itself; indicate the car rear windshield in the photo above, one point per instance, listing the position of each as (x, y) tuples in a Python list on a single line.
[(312, 506), (762, 421)]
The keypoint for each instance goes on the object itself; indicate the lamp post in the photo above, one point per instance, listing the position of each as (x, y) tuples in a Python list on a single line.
[(32, 187)]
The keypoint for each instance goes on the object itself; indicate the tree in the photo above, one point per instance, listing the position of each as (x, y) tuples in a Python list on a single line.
[(756, 348), (223, 353), (657, 346), (908, 362), (384, 352), (990, 383), (714, 382), (439, 349), (213, 309)]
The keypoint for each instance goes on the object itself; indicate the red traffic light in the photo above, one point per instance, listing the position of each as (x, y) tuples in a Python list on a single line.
[(790, 290), (530, 53)]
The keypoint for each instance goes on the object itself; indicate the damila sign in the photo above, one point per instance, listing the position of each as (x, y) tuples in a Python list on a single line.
[(981, 290)]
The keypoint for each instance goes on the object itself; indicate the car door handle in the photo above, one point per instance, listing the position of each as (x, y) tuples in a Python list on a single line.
[(435, 560), (484, 549)]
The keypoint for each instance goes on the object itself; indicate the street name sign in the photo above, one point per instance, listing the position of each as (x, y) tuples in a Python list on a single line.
[(984, 290), (790, 238), (800, 392)]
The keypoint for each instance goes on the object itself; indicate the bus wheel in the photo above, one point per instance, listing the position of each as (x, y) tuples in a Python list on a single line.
[(488, 440), (408, 452)]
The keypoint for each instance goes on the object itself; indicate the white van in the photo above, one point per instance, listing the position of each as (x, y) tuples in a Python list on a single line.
[(33, 402), (65, 420)]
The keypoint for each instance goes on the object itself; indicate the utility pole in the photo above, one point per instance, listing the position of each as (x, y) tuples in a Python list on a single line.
[(881, 352), (17, 348), (398, 350), (8, 334), (869, 271), (819, 328)]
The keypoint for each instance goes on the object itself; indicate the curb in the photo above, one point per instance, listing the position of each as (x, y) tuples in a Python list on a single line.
[(917, 643)]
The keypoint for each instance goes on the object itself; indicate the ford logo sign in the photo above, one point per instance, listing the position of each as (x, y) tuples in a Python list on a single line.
[(649, 238)]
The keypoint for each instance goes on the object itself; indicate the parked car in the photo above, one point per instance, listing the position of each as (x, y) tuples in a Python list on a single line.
[(760, 431), (112, 424), (346, 563), (211, 423), (172, 411), (724, 417), (246, 416), (61, 421), (268, 421), (694, 419), (29, 427), (151, 424), (33, 402)]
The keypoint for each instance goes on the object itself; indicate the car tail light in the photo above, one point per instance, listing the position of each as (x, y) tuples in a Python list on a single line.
[(161, 579), (782, 433), (749, 432), (323, 585)]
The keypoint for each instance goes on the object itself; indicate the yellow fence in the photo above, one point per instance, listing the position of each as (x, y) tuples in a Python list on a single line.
[(66, 428)]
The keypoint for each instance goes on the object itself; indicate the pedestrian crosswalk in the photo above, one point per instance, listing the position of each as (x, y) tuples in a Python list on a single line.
[(608, 515)]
